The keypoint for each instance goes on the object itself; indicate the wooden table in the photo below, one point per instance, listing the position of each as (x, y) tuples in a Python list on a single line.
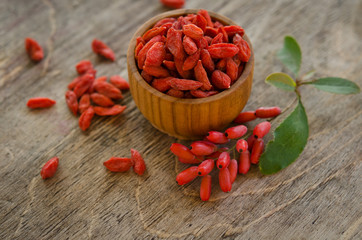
[(317, 197)]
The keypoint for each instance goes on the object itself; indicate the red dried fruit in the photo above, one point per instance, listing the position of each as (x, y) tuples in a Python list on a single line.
[(143, 52), (202, 94), (49, 168), (187, 175), (223, 161), (72, 102), (139, 166), (84, 103), (233, 29), (211, 32), (206, 15), (182, 152), (220, 80), (224, 180), (261, 129), (117, 164), (200, 21), (221, 65), (156, 54), (153, 32), (101, 100), (158, 72), (175, 93), (217, 137), (244, 49), (102, 49), (218, 24), (148, 78), (201, 76), (202, 43), (205, 188), (184, 84), (193, 31), (34, 50), (74, 82), (170, 65), (86, 118), (173, 3), (161, 84), (119, 82), (100, 79), (267, 112), (138, 49), (140, 40), (232, 69), (179, 62), (203, 148), (244, 162), (84, 83), (207, 61), (241, 145), (245, 117), (108, 90), (233, 170), (189, 45), (217, 39), (174, 43), (115, 110), (258, 147), (83, 66), (205, 167), (191, 61), (224, 34), (40, 102), (164, 21), (236, 132), (223, 50)]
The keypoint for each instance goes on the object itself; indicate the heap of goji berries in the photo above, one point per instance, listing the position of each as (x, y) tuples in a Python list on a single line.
[(191, 56), (207, 153)]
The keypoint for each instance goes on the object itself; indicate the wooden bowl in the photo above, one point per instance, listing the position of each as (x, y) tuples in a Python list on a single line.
[(188, 118)]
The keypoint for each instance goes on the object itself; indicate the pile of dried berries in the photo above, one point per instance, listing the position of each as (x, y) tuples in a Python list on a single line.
[(191, 56), (94, 91), (207, 153)]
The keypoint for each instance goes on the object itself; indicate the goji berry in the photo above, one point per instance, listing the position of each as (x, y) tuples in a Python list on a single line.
[(100, 79), (153, 32), (49, 168), (34, 50), (225, 38), (217, 137), (139, 166), (164, 21), (148, 78), (119, 82), (220, 80), (244, 49), (102, 49), (74, 82), (187, 175), (261, 129), (211, 32), (205, 188), (184, 84), (236, 132), (225, 180), (221, 65), (158, 72), (217, 39), (233, 29), (108, 90), (203, 148), (201, 76), (72, 102), (182, 152), (83, 66), (143, 52), (223, 161), (245, 117), (257, 150), (170, 65), (193, 31), (179, 62), (233, 170), (207, 61), (174, 43), (173, 3), (218, 24), (40, 102), (191, 61), (138, 49), (231, 69), (86, 118), (244, 162), (205, 167), (84, 103), (115, 110), (267, 112), (118, 164), (101, 100), (175, 93), (241, 145), (200, 21), (161, 84), (208, 39), (85, 82), (156, 54), (206, 15), (222, 50), (203, 94)]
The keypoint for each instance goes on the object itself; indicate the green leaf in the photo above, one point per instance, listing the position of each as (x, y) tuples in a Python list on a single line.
[(290, 138), (291, 55), (281, 80), (336, 85)]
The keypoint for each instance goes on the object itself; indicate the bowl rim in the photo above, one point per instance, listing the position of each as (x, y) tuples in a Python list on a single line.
[(131, 61)]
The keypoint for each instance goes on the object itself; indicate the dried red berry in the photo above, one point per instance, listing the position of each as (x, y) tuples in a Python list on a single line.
[(175, 93), (187, 175), (40, 102), (117, 164), (86, 118), (119, 82), (193, 31), (101, 100), (108, 90), (205, 188), (201, 76), (72, 102), (161, 84), (49, 168), (83, 66), (139, 164), (34, 50), (85, 82), (184, 84), (222, 50), (84, 103), (112, 111), (220, 80), (156, 54), (189, 45), (102, 49)]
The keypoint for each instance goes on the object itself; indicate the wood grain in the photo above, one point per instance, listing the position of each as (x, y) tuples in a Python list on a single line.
[(317, 197)]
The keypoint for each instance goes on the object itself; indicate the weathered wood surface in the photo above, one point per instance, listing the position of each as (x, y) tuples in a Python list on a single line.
[(318, 197)]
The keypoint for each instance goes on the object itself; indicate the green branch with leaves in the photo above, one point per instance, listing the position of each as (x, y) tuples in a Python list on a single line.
[(291, 136)]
